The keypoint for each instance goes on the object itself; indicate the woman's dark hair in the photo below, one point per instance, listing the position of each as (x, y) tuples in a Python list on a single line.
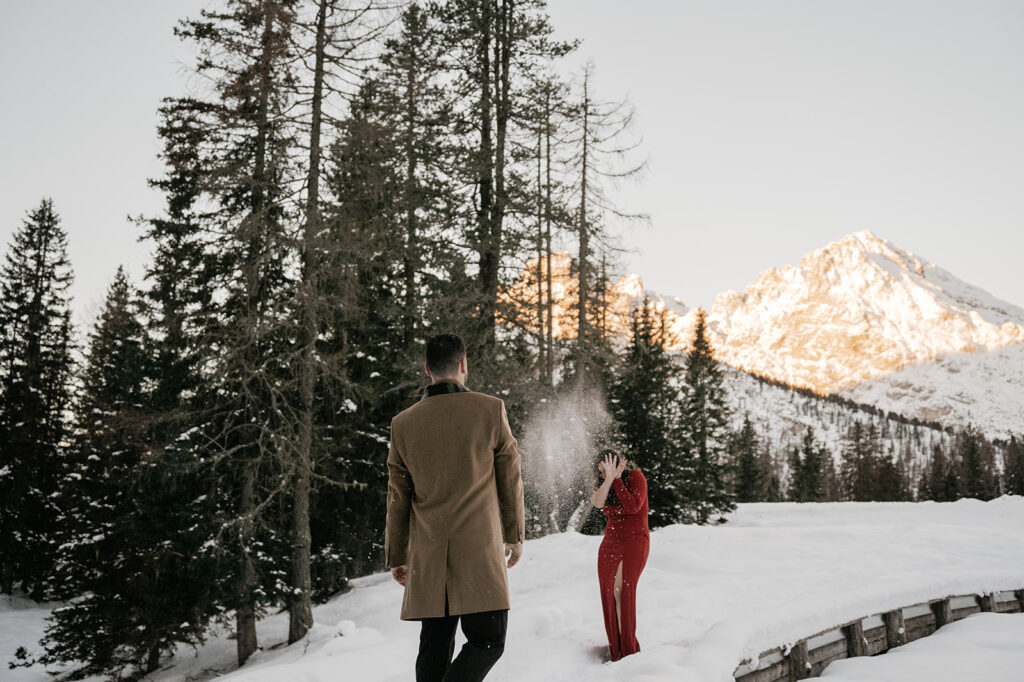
[(444, 352), (612, 497)]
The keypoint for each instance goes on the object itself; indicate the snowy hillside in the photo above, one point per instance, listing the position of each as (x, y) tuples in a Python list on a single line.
[(709, 597), (985, 389), (781, 417)]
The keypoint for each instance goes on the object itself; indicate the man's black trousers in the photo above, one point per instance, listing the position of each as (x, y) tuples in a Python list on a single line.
[(485, 635)]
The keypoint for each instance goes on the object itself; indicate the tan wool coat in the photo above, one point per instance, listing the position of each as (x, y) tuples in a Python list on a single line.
[(455, 496)]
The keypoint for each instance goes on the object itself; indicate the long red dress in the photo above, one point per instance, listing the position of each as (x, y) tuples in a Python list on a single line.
[(626, 539)]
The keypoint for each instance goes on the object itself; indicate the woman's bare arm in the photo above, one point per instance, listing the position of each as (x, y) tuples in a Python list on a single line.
[(600, 495)]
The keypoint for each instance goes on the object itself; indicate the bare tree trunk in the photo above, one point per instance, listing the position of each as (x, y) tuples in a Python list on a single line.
[(494, 72), (153, 659), (488, 255), (300, 607), (6, 578), (255, 225), (584, 236), (245, 615), (547, 233), (541, 362), (602, 291), (411, 199)]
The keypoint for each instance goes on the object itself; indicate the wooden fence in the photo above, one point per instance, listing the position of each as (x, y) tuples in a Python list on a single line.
[(872, 635)]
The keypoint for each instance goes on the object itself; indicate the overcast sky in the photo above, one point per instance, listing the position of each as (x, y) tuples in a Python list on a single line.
[(772, 129)]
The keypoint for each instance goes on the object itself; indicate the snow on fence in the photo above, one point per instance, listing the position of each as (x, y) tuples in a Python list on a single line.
[(872, 635)]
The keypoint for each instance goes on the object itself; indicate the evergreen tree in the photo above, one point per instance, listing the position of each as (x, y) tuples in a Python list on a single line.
[(891, 483), (644, 400), (832, 485), (808, 470), (705, 428), (773, 491), (977, 464), (245, 52), (125, 609), (1014, 458), (941, 479), (859, 459), (174, 500), (749, 474), (35, 371), (794, 486)]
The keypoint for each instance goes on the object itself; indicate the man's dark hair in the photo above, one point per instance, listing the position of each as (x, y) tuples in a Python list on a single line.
[(444, 352)]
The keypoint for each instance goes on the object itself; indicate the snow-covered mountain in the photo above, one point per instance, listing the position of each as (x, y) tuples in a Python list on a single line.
[(869, 320), (861, 317), (861, 308)]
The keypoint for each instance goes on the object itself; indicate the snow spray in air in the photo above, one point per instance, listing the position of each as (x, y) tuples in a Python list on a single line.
[(559, 445)]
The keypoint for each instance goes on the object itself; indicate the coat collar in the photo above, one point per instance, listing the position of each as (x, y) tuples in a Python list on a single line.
[(442, 387)]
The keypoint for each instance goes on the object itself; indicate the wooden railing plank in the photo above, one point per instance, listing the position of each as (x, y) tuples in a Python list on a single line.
[(899, 626), (895, 629), (856, 645), (799, 667), (943, 614)]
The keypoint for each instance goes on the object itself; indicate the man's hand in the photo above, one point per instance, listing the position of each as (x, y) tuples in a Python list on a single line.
[(400, 573), (515, 550)]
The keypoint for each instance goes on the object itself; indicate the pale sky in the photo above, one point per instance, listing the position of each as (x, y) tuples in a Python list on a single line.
[(773, 128)]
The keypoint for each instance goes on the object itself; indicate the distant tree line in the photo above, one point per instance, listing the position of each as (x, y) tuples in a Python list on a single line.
[(868, 471)]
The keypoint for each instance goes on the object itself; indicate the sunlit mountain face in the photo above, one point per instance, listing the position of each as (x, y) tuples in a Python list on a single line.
[(862, 317)]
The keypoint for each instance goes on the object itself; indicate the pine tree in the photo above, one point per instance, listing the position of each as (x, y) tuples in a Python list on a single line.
[(977, 464), (245, 51), (371, 376), (794, 487), (174, 498), (1014, 458), (705, 428), (749, 475), (832, 485), (808, 471), (35, 370), (644, 400), (941, 477), (124, 611), (891, 483), (859, 462)]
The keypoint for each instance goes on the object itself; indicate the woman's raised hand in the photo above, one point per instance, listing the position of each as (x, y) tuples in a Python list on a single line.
[(620, 465), (607, 466)]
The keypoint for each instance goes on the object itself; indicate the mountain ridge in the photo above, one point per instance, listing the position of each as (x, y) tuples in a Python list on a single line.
[(859, 317)]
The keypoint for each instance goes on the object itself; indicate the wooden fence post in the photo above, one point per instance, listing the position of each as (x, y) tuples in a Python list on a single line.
[(855, 645), (895, 629), (987, 602), (943, 614), (798, 664)]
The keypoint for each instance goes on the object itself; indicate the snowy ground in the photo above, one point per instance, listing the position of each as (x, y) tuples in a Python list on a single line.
[(982, 646), (709, 596)]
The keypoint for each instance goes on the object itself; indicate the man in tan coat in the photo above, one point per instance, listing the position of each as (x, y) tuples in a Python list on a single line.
[(455, 507)]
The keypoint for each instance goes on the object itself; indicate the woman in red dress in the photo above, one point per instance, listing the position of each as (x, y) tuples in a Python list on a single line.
[(622, 496)]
